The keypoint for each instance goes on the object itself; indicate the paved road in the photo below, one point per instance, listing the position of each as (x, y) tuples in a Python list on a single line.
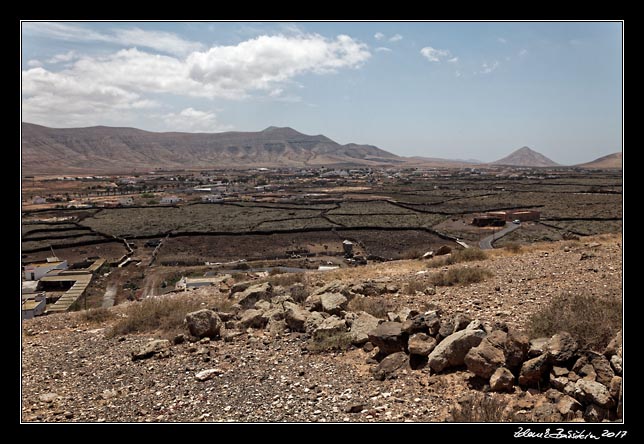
[(486, 243)]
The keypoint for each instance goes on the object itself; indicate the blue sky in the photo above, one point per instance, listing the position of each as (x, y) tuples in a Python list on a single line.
[(459, 90)]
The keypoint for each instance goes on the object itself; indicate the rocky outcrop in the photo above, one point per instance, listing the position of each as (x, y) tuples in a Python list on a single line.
[(451, 351), (158, 347), (248, 297), (361, 326), (333, 303), (561, 348), (388, 337), (421, 344), (388, 367), (501, 380), (533, 371), (484, 359), (295, 316), (204, 323)]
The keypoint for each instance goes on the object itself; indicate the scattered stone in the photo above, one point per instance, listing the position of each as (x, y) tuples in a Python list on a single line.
[(262, 305), (68, 415), (567, 405), (179, 339), (361, 326), (516, 349), (593, 392), (614, 347), (451, 351), (561, 347), (295, 316), (558, 382), (158, 347), (602, 368), (48, 397), (314, 321), (248, 297), (546, 412), (559, 371), (538, 347), (461, 321), (253, 319), (355, 408), (313, 303), (333, 303), (595, 413), (501, 380), (533, 371), (588, 372), (387, 337), (368, 347), (389, 366), (210, 373), (329, 327), (421, 344), (616, 363), (615, 387), (204, 323)]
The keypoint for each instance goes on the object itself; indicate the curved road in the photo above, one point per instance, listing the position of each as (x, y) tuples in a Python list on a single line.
[(486, 243)]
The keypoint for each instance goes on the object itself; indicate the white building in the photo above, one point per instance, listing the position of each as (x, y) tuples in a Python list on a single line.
[(170, 199), (35, 271)]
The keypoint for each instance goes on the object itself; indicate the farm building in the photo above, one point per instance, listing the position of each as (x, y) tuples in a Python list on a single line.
[(170, 200), (37, 270), (33, 304)]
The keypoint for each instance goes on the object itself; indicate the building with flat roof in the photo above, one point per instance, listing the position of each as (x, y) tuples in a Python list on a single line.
[(36, 270)]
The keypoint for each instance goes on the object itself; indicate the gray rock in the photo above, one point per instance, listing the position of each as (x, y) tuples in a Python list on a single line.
[(333, 303), (451, 351), (558, 382), (356, 407), (314, 320), (616, 363), (253, 293), (538, 347), (559, 371), (595, 413), (313, 302), (546, 412), (262, 305), (602, 368), (273, 314), (588, 372), (388, 337), (442, 250), (533, 371), (562, 347), (421, 344), (501, 380), (204, 323), (428, 322), (446, 328), (361, 326), (48, 397), (205, 375), (461, 321), (484, 359), (330, 326), (295, 316), (615, 387), (253, 319), (516, 349), (593, 392), (240, 286), (390, 365), (160, 347)]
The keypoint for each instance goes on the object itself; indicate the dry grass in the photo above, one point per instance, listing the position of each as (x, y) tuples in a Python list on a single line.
[(166, 314), (592, 320), (286, 279), (338, 341), (460, 276), (96, 315), (513, 247), (479, 407), (458, 256), (416, 285), (377, 306)]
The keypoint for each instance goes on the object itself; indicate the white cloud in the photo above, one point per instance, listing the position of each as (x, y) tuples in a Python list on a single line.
[(66, 57), (378, 36), (33, 63), (106, 87), (435, 55), (166, 42), (383, 49), (396, 38), (523, 52), (502, 40), (453, 60), (192, 120), (488, 68), (458, 74)]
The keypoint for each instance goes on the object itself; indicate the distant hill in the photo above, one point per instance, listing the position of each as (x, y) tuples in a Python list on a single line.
[(102, 148), (526, 157), (610, 161)]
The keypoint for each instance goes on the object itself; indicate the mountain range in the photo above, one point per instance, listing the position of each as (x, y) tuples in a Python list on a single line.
[(110, 149)]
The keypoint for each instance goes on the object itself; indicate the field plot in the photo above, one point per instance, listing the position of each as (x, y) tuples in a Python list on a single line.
[(370, 207), (411, 220), (110, 251), (398, 244), (586, 227)]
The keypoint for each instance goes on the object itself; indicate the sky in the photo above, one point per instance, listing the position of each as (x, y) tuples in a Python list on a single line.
[(455, 90)]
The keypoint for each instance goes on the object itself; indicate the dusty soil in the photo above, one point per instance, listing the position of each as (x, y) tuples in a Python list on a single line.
[(270, 377)]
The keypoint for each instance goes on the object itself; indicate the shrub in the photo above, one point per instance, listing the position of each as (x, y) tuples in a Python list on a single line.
[(276, 271), (592, 320), (460, 276), (414, 286), (338, 341), (299, 293), (286, 279), (159, 313), (376, 306), (458, 256), (479, 407), (239, 276), (96, 315)]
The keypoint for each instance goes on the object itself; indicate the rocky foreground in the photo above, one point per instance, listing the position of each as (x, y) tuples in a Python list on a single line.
[(440, 354)]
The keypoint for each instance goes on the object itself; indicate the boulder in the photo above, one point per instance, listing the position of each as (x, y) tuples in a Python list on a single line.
[(335, 286), (516, 349), (616, 363), (533, 371), (595, 413), (273, 314), (501, 380), (330, 326), (253, 319), (388, 337), (314, 320), (446, 328), (615, 386), (588, 372), (248, 297), (561, 347), (614, 347), (210, 373), (546, 412), (240, 286), (204, 323), (388, 367), (593, 392), (421, 344), (567, 406), (484, 359), (461, 321), (538, 347), (451, 351), (158, 347), (262, 305), (361, 326), (602, 368), (313, 303), (333, 303), (444, 249), (558, 382), (295, 316)]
